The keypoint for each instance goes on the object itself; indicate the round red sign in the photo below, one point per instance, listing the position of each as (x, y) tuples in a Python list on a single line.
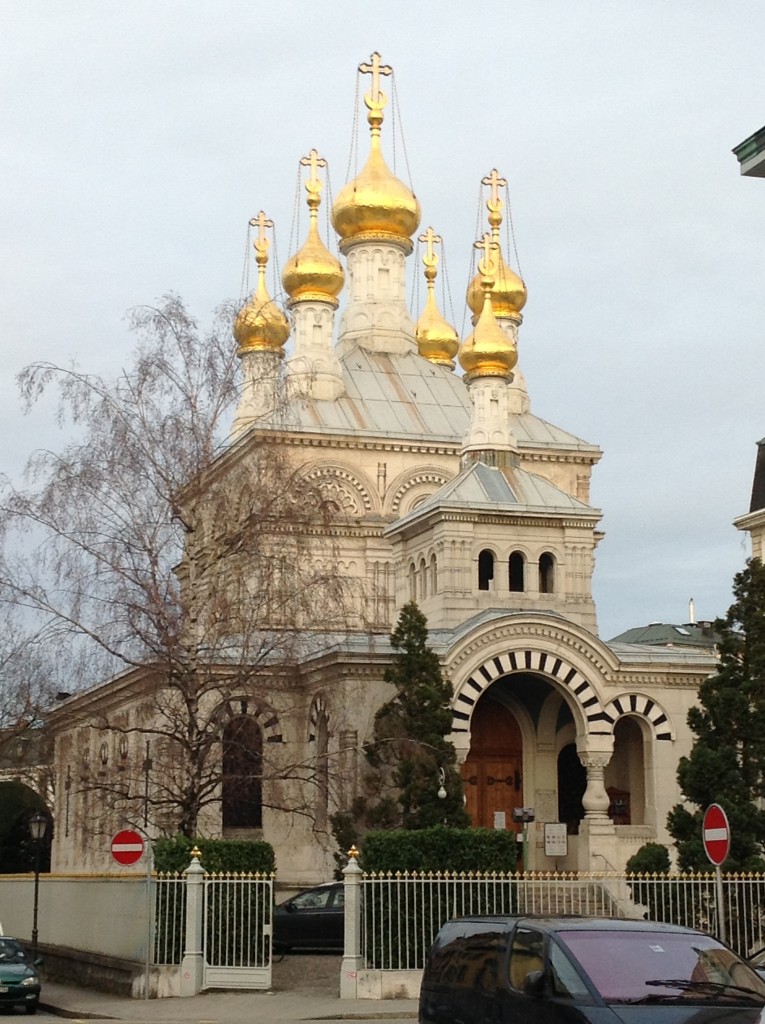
[(127, 846), (716, 834)]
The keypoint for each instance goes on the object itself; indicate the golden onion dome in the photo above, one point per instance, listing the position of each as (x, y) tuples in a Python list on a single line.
[(488, 352), (436, 339), (313, 272), (508, 296), (376, 204), (260, 326)]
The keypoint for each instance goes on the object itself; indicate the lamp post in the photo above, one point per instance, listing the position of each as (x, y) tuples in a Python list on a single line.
[(38, 824)]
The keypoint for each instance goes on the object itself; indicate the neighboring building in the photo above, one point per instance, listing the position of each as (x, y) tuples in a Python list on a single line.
[(698, 635), (751, 155), (450, 490)]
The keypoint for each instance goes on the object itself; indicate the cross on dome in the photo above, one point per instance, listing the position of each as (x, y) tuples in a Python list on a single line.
[(375, 99), (261, 243)]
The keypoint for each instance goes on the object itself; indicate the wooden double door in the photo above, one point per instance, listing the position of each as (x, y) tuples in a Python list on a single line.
[(492, 774)]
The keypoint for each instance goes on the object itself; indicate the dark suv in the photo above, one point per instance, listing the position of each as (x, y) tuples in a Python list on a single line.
[(525, 970)]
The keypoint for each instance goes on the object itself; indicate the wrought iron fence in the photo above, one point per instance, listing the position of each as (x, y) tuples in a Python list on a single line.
[(169, 918), (237, 920), (402, 913)]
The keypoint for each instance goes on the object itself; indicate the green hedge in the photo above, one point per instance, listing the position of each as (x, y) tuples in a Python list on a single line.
[(218, 855), (439, 849)]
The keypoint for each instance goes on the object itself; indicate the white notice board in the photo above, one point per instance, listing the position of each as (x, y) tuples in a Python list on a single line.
[(556, 839)]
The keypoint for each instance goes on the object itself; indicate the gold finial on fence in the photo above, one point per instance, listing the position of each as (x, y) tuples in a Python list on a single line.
[(196, 852), (353, 853)]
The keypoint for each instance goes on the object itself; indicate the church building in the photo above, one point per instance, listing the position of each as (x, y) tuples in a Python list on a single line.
[(447, 488)]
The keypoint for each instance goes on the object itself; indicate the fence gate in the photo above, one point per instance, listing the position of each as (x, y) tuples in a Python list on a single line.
[(237, 931)]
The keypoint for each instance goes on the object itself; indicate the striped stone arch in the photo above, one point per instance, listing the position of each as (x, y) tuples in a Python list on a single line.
[(550, 665), (645, 707), (318, 708), (265, 716)]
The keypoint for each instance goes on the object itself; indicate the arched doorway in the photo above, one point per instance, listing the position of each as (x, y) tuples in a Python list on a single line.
[(492, 774)]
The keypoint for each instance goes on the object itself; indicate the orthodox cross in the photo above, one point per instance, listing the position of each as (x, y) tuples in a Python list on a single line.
[(493, 180), (430, 259), (375, 98), (314, 161), (261, 243), (486, 264)]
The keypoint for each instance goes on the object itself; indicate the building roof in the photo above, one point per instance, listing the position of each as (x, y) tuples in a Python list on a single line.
[(751, 155), (664, 634), (402, 395), (481, 488)]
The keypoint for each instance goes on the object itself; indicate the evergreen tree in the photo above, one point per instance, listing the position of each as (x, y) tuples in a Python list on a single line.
[(410, 743), (727, 763)]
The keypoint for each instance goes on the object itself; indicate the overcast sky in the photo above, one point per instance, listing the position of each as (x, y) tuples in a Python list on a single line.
[(137, 138)]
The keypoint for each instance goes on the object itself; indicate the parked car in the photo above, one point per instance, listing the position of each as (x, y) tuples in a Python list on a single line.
[(19, 981), (314, 919), (601, 971)]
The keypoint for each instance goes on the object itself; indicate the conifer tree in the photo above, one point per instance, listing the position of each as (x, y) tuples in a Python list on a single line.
[(411, 733), (727, 762)]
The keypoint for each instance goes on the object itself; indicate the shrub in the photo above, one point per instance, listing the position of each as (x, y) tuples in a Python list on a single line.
[(218, 855)]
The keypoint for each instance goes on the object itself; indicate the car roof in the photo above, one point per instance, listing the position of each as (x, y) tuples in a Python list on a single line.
[(574, 922)]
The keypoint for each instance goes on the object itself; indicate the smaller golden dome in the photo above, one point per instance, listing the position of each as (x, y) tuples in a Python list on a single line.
[(508, 296), (376, 204), (437, 340), (260, 326), (313, 272), (488, 352)]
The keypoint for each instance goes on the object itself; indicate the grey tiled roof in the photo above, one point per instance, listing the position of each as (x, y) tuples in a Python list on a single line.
[(403, 395)]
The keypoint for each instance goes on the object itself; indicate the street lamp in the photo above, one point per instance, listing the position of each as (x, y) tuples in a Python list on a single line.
[(38, 824)]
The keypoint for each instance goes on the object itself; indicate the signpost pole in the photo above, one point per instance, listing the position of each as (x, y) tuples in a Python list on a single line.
[(149, 921), (715, 835)]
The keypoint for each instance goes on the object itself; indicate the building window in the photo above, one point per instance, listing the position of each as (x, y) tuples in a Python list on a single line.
[(433, 575), (517, 570), (546, 573), (242, 773), (485, 570), (412, 583), (423, 579)]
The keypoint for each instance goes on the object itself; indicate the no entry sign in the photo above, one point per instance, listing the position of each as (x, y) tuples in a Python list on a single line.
[(127, 846), (716, 834)]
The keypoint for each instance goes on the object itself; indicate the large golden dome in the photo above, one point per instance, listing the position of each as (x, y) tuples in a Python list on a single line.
[(488, 352), (508, 296), (436, 339), (260, 326), (313, 272), (376, 204)]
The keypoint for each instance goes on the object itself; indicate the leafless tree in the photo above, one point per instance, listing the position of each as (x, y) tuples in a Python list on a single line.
[(193, 571)]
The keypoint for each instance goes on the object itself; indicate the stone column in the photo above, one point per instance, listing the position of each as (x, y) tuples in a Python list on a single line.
[(595, 799), (352, 958), (192, 965), (598, 848)]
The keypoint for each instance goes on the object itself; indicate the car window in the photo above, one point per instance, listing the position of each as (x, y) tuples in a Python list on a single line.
[(314, 899), (630, 966), (338, 900), (10, 950), (565, 980), (526, 955)]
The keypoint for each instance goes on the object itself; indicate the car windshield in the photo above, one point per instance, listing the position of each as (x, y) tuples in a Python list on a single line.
[(11, 950), (653, 967)]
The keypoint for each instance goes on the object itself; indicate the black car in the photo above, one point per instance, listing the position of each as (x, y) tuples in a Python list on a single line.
[(314, 919), (599, 971), (19, 982)]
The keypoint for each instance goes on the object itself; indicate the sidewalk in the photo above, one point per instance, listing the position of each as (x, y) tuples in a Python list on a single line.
[(252, 1007)]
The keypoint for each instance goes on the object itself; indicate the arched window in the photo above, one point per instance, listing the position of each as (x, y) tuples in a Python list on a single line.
[(423, 579), (546, 573), (242, 773), (412, 582), (517, 567), (322, 769), (433, 575), (485, 569)]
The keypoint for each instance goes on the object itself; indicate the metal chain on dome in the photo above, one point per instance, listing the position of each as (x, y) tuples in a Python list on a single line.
[(510, 231), (414, 305), (445, 285), (353, 153), (472, 266), (244, 287), (327, 212), (398, 121), (295, 225)]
